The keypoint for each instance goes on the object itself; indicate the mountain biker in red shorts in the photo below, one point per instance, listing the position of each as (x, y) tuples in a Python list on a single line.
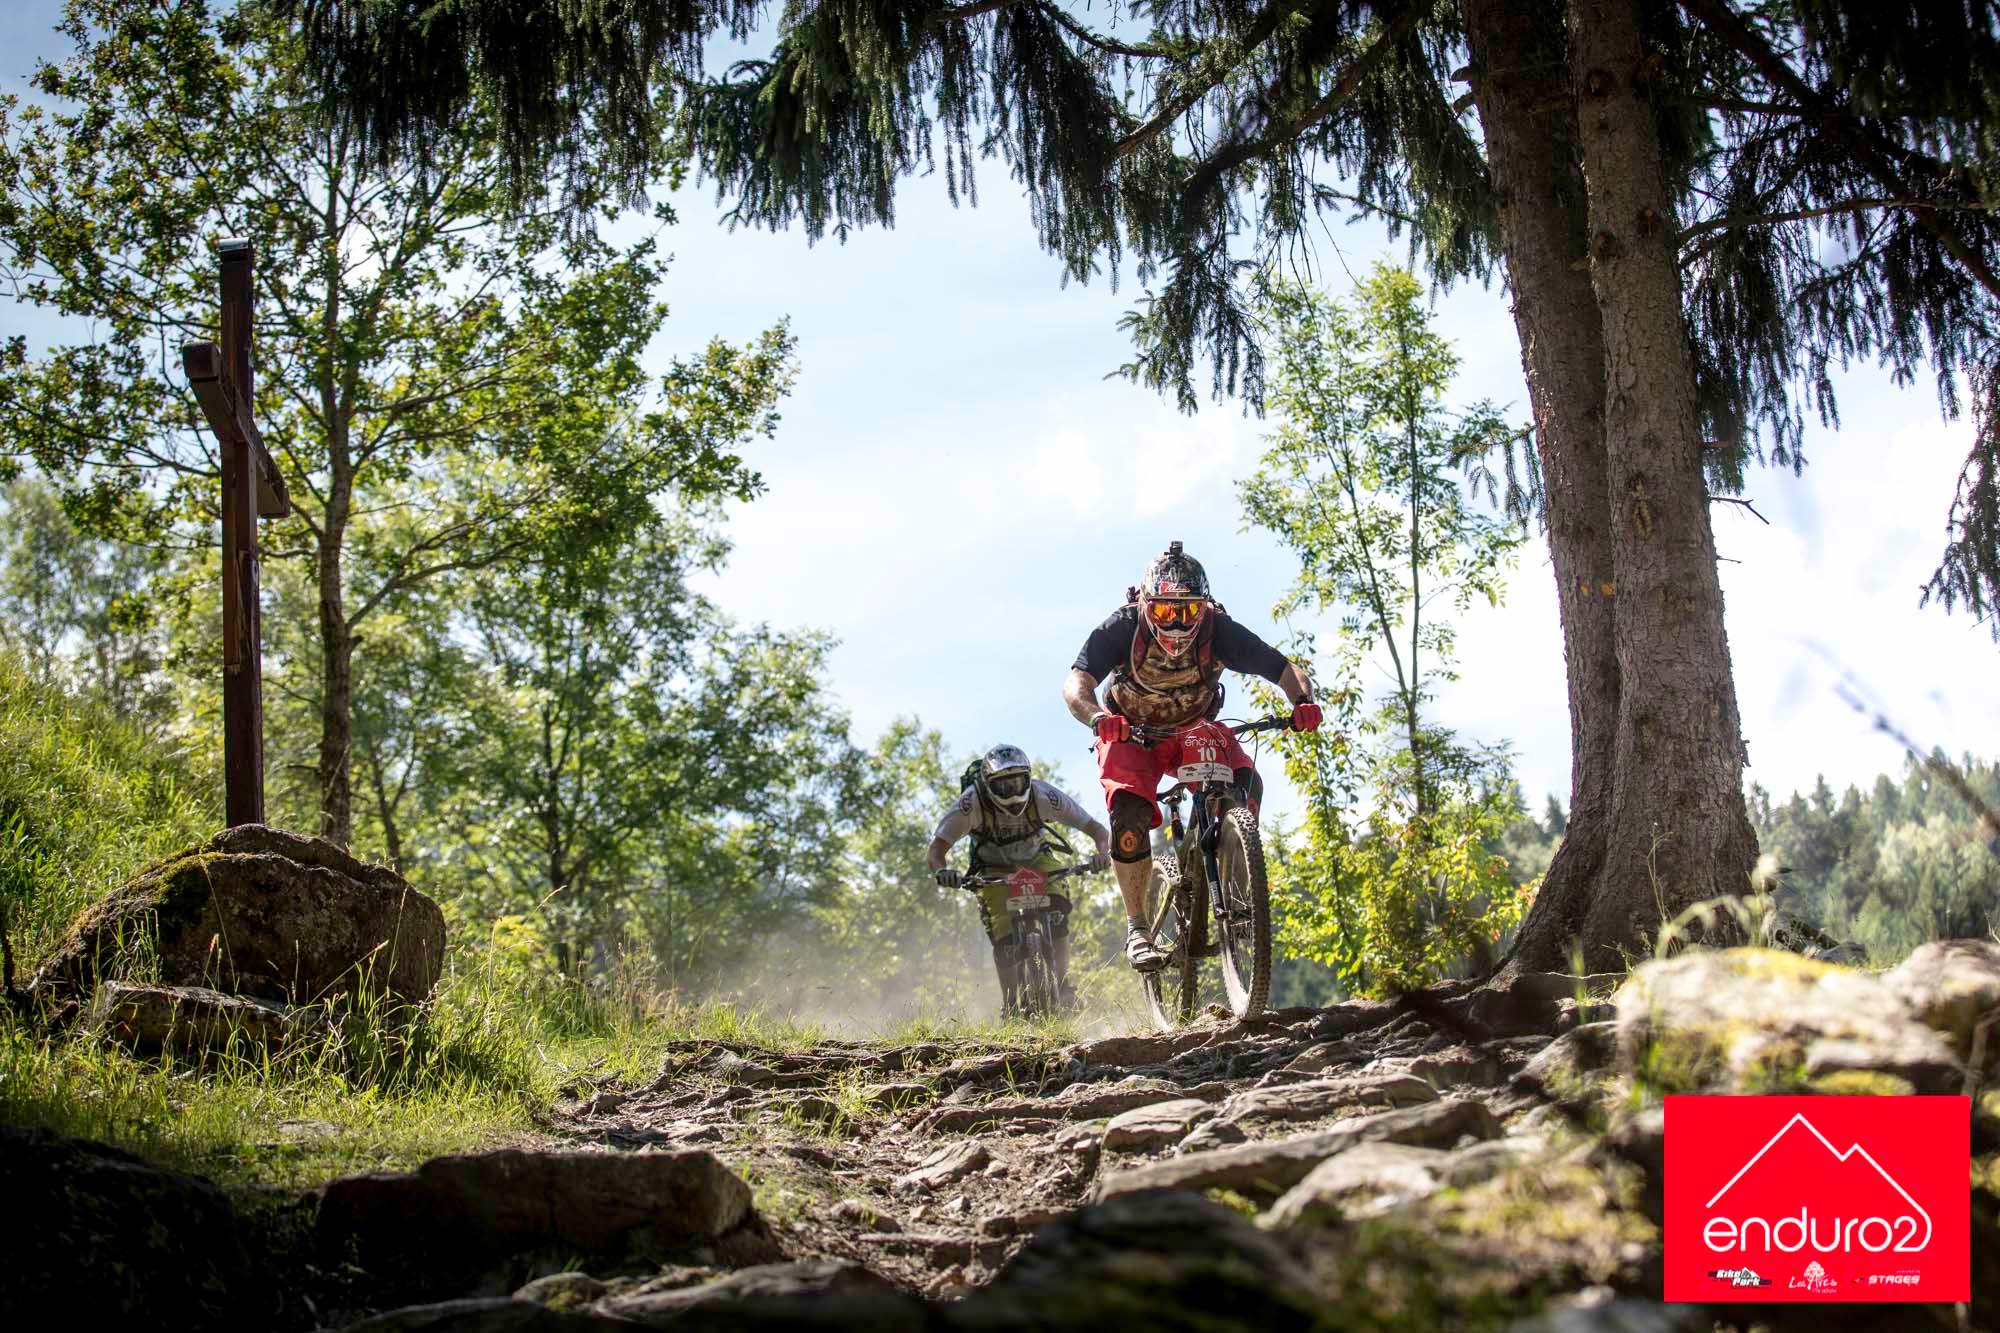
[(1164, 654)]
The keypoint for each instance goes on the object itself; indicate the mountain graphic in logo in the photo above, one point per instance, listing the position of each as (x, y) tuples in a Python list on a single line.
[(1853, 1150)]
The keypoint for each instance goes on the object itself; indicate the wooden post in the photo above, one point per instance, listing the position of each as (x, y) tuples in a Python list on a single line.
[(224, 384)]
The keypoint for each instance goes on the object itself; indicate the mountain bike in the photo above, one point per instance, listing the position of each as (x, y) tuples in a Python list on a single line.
[(1029, 904), (1210, 896)]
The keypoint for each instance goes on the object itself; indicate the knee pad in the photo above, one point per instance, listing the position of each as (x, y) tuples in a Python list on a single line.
[(1131, 828), (1005, 952), (1058, 917)]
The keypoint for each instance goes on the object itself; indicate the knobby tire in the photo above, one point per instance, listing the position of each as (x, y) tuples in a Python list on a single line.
[(1246, 945), (1171, 990)]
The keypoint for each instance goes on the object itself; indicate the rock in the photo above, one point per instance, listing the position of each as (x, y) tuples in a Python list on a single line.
[(861, 1213), (773, 1289), (261, 912), (1018, 1224), (1477, 1162), (1531, 1001), (100, 1239), (1565, 1064), (1951, 985), (1451, 1067), (485, 1315), (1366, 1179), (563, 1291), (1326, 1055), (153, 1020), (477, 1208), (1146, 1048), (1345, 1019), (1171, 1263), (1271, 1166), (952, 1162), (895, 1096), (1150, 1126), (1324, 1097), (1213, 1134), (1740, 1020), (1085, 1101), (815, 1110)]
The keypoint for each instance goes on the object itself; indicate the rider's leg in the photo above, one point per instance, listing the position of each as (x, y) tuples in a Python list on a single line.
[(1132, 819), (1006, 961), (1059, 949)]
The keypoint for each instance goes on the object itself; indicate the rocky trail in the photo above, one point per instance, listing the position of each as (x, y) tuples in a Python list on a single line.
[(1475, 1160)]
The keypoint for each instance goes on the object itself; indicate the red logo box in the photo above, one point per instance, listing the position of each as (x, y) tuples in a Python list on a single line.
[(1818, 1199)]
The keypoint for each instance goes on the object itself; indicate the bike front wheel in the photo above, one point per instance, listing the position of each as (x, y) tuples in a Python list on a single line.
[(1037, 975), (1243, 913), (1171, 988)]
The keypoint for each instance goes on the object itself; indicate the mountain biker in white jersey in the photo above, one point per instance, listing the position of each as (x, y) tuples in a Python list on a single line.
[(1006, 811)]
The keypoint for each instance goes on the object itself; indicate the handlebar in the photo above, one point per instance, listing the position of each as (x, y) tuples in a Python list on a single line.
[(981, 881), (1279, 722)]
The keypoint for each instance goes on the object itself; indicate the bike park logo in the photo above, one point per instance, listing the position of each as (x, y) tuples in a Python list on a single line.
[(1803, 1198)]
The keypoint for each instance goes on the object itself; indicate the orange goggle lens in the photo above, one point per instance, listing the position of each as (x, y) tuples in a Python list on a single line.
[(1175, 613)]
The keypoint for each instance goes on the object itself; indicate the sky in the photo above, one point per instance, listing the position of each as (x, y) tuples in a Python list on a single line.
[(959, 494)]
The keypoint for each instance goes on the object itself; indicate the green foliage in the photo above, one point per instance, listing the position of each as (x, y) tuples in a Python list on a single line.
[(444, 392), (86, 798), (1897, 866), (1361, 483), (630, 768)]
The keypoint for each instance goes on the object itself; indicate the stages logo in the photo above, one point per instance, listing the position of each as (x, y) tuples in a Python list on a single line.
[(1803, 1198)]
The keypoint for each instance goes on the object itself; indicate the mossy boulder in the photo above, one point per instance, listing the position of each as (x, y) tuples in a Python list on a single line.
[(1764, 1020), (256, 911)]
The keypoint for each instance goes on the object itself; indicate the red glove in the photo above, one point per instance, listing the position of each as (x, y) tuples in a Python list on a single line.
[(1306, 717), (1111, 728)]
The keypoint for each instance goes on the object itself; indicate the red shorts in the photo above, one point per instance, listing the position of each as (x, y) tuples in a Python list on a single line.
[(1130, 766)]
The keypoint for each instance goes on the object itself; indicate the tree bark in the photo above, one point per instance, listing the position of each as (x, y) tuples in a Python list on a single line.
[(1522, 92), (1678, 830), (336, 701)]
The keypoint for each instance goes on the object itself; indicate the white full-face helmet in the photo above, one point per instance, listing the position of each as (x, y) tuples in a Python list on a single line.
[(1004, 776)]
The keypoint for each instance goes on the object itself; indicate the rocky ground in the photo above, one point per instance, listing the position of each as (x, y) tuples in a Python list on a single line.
[(1484, 1159)]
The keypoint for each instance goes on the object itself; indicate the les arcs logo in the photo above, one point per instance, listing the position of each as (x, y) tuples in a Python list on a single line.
[(1818, 1198)]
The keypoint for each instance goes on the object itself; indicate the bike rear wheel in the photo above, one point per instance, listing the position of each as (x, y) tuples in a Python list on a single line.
[(1171, 988), (1243, 899), (1037, 974)]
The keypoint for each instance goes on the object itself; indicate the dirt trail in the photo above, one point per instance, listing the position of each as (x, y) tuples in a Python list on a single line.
[(930, 1164)]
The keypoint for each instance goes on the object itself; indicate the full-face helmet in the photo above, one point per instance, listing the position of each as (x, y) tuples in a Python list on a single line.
[(1173, 598), (1004, 777)]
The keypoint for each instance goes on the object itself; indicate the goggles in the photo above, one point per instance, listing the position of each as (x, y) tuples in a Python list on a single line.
[(1008, 785), (1176, 613)]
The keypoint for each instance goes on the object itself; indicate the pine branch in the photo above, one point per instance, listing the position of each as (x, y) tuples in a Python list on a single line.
[(1737, 221), (1872, 150), (1749, 505), (1259, 31), (1236, 153)]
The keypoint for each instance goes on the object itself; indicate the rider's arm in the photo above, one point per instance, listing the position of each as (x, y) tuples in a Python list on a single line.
[(1294, 682), (1240, 650), (957, 822), (1106, 647), (1080, 694)]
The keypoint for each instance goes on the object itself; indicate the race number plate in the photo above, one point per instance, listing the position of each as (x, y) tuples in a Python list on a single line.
[(1196, 774), (1025, 888)]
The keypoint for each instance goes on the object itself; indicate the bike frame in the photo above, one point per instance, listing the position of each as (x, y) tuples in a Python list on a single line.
[(1212, 801)]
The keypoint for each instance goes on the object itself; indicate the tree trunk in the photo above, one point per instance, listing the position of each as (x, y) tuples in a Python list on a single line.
[(1521, 88), (1678, 830), (336, 705)]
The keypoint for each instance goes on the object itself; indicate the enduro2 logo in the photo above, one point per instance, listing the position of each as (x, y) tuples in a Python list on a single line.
[(1818, 1198)]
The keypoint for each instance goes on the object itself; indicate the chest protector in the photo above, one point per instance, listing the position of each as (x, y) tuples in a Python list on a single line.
[(1004, 839), (1160, 691)]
